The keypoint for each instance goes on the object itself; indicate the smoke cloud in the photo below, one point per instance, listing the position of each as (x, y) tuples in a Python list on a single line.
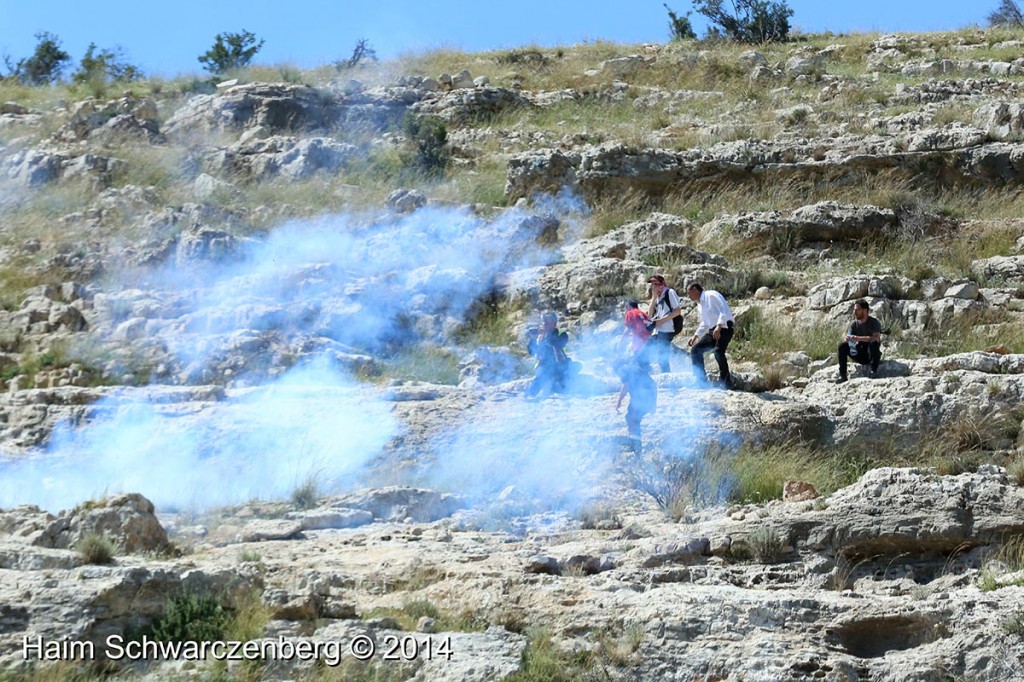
[(318, 289), (314, 423)]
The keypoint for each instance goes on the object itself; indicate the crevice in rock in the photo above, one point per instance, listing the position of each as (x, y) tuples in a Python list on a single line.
[(874, 637)]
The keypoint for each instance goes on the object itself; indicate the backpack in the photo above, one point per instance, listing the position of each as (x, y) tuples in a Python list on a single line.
[(677, 321)]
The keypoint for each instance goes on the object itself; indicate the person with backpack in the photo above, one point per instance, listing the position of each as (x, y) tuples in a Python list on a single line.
[(664, 312), (547, 344), (715, 331)]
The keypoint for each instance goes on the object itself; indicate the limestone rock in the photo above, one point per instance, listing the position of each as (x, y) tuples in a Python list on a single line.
[(406, 200), (268, 529), (401, 503)]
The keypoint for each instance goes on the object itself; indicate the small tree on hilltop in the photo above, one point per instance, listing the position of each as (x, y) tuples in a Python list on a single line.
[(749, 21), (362, 52), (230, 51), (45, 64), (679, 27), (105, 66), (1008, 14)]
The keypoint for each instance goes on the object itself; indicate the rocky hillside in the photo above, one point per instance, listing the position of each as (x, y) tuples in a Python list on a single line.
[(262, 361)]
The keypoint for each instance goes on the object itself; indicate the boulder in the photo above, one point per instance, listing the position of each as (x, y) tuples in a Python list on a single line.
[(406, 200), (126, 520)]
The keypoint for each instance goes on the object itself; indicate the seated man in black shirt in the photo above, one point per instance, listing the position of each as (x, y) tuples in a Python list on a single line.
[(863, 343)]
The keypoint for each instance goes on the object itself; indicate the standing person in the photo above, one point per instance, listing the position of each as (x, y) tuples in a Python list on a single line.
[(863, 342), (664, 311), (643, 397), (717, 326), (637, 331), (547, 344)]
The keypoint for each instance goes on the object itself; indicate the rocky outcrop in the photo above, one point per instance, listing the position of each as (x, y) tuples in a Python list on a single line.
[(826, 222), (465, 105), (288, 158), (275, 107), (615, 169), (39, 166)]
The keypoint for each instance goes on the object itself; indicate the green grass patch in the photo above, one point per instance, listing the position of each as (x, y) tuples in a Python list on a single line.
[(760, 470), (1008, 559), (410, 613), (764, 338), (431, 364)]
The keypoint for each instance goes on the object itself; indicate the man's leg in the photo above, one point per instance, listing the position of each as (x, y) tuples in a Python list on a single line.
[(633, 428), (844, 357), (875, 354), (662, 348), (723, 365), (542, 383), (697, 351)]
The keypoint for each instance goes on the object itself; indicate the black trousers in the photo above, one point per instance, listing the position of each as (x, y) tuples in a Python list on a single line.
[(707, 343), (866, 353)]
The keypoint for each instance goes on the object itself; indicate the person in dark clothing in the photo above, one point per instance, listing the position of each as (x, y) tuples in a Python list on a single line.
[(643, 396), (547, 344), (863, 343)]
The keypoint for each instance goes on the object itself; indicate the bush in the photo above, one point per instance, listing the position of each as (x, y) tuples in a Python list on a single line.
[(107, 66), (45, 64), (679, 27), (1008, 14), (230, 51), (427, 139), (192, 617), (748, 21), (96, 549), (766, 544), (306, 494)]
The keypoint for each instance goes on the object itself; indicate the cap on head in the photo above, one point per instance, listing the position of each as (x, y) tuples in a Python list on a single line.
[(549, 316)]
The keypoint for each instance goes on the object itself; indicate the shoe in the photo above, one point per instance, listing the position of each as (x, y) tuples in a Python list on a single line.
[(841, 380), (873, 373)]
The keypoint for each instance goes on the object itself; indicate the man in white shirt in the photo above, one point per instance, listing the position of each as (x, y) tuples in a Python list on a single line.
[(717, 326)]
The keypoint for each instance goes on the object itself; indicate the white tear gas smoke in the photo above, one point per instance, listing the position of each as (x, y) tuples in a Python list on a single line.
[(311, 424), (561, 453), (364, 286), (309, 287), (548, 455)]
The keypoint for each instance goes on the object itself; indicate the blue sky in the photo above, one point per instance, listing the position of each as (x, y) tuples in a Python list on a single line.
[(165, 38)]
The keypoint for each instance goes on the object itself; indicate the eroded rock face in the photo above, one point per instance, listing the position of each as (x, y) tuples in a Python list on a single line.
[(463, 105), (276, 107), (288, 158), (616, 169), (824, 222)]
